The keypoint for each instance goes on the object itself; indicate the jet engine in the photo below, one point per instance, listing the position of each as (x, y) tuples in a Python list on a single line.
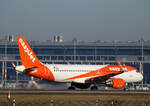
[(81, 85), (115, 83)]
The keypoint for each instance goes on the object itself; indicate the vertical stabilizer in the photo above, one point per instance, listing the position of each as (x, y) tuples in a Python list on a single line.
[(28, 58)]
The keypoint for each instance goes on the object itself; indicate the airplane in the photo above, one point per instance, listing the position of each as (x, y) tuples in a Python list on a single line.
[(79, 76)]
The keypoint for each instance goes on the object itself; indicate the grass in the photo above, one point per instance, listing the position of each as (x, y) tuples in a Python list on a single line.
[(44, 99)]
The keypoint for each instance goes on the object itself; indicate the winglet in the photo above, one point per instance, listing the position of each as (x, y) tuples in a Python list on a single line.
[(14, 66), (120, 66)]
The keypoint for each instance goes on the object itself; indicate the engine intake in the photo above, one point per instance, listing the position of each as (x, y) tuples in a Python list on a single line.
[(116, 83)]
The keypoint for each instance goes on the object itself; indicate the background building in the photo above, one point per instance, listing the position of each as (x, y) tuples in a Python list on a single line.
[(74, 52)]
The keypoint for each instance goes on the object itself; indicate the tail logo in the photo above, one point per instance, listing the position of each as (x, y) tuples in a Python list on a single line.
[(26, 50)]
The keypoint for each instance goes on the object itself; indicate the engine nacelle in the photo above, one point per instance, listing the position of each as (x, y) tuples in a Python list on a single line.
[(82, 85), (116, 83)]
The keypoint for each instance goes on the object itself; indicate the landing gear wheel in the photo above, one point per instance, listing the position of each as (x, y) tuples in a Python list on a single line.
[(125, 89), (71, 88), (94, 88)]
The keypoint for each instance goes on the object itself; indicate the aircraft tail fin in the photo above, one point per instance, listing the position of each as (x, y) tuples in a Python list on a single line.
[(28, 58)]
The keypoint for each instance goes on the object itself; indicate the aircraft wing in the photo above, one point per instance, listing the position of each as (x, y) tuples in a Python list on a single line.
[(93, 79), (101, 79), (105, 77)]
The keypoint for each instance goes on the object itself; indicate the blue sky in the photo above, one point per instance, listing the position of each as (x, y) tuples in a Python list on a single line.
[(87, 20)]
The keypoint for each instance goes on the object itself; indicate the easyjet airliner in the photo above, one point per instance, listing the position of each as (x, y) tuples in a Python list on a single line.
[(79, 76)]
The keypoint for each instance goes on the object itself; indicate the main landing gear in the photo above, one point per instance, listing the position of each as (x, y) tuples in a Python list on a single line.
[(94, 88), (71, 87)]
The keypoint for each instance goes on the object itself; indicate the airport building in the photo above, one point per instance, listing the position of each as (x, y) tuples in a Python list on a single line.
[(57, 51)]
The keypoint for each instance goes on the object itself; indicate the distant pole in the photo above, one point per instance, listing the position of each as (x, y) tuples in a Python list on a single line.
[(14, 102), (5, 67), (5, 74), (97, 101), (74, 44), (95, 55), (51, 102), (142, 71), (115, 49), (17, 75), (8, 97), (112, 103)]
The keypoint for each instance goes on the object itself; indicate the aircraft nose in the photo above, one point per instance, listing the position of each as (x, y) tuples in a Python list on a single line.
[(140, 77)]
